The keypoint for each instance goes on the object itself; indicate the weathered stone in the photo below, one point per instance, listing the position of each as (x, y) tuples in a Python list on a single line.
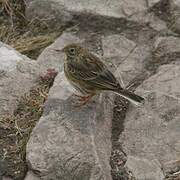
[(116, 48), (152, 131), (117, 45), (65, 11), (151, 19), (17, 75), (175, 13), (31, 176), (74, 142), (144, 169), (152, 2), (133, 65), (7, 178), (166, 45), (67, 136), (127, 57)]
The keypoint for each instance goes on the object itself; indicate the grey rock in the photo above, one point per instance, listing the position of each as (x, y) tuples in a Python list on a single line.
[(128, 57), (151, 19), (50, 11), (175, 13), (117, 46), (152, 131), (133, 64), (31, 176), (166, 45), (144, 169), (65, 11), (17, 75), (68, 142), (6, 178), (152, 2), (71, 143)]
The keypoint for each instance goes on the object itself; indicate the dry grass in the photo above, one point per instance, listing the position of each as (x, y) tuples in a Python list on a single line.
[(15, 129), (29, 44), (29, 38), (7, 7)]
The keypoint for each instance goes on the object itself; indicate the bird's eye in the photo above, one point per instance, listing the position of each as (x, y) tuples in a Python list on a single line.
[(72, 50)]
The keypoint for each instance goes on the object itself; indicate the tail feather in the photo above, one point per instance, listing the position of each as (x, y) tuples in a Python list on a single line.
[(135, 99)]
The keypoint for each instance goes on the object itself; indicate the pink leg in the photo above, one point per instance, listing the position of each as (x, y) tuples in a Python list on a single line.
[(84, 99)]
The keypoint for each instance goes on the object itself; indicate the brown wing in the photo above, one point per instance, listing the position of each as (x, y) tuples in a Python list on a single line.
[(93, 71)]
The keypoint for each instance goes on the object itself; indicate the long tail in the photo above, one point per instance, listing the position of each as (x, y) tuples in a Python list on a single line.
[(135, 99)]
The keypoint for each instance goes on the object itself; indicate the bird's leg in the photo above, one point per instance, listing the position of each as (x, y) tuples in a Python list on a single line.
[(84, 99), (79, 96)]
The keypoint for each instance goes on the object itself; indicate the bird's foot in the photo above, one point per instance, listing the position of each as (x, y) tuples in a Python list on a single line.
[(83, 99)]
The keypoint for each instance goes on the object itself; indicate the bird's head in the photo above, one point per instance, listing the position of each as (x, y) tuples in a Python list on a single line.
[(72, 50)]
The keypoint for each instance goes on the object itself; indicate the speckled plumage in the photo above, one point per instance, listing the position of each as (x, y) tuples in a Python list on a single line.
[(89, 75)]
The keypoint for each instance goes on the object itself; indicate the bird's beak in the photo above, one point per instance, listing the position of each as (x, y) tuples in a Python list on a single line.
[(58, 50)]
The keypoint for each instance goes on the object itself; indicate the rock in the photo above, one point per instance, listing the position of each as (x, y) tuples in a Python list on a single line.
[(166, 45), (144, 169), (166, 50), (116, 48), (128, 57), (7, 178), (151, 19), (175, 9), (65, 11), (152, 2), (74, 142), (51, 11), (172, 168), (117, 45), (95, 14), (31, 176), (77, 142), (133, 65), (175, 14), (152, 132), (17, 75)]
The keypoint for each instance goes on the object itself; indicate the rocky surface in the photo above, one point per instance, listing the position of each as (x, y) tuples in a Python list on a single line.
[(166, 45), (133, 42), (139, 41), (175, 14), (152, 131), (31, 176), (17, 75), (68, 10), (144, 168), (89, 128), (74, 142)]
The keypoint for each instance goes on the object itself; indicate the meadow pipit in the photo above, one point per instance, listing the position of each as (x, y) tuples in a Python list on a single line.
[(89, 75)]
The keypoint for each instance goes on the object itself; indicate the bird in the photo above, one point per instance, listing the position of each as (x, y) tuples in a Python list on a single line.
[(89, 75)]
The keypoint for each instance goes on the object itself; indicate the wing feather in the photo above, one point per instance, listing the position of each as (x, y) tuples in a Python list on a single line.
[(93, 72)]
